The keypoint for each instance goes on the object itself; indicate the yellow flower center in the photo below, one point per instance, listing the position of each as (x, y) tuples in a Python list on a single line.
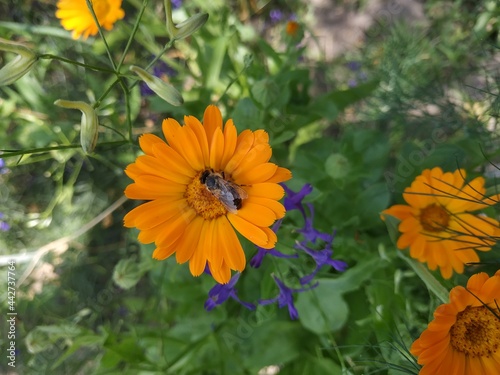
[(101, 8), (434, 218), (203, 201), (476, 333)]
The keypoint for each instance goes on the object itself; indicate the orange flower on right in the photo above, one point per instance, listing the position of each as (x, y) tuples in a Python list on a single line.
[(464, 337), (437, 224)]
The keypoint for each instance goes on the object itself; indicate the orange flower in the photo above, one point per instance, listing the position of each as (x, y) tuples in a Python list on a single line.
[(292, 27), (76, 16), (205, 183), (464, 337), (437, 224)]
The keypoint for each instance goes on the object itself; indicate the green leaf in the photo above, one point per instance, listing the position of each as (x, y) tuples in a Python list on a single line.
[(331, 104), (127, 273), (337, 166), (322, 309), (266, 92), (246, 115)]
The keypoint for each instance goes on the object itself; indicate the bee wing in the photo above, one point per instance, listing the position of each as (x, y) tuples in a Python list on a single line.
[(226, 197), (239, 191)]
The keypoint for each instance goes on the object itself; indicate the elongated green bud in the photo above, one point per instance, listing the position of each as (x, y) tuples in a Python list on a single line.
[(20, 65), (163, 89), (89, 125), (185, 28)]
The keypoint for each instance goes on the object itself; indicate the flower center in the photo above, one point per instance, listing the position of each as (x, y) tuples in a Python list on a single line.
[(434, 218), (476, 333), (101, 8), (203, 201)]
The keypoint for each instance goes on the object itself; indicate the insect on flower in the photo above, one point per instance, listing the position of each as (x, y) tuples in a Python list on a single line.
[(227, 192)]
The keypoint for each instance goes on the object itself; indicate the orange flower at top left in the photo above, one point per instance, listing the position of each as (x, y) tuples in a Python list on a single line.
[(76, 16)]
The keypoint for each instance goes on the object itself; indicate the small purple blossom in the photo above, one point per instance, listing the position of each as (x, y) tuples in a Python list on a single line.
[(285, 297), (4, 226), (176, 4), (293, 200), (220, 293), (257, 259), (352, 83), (310, 233), (354, 65), (276, 15), (3, 168), (321, 258)]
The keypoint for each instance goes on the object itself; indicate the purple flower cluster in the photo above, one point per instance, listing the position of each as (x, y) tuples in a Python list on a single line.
[(293, 201), (220, 293), (355, 66), (285, 298)]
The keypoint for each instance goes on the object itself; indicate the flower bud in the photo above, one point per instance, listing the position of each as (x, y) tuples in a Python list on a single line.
[(20, 65), (89, 125), (163, 89), (185, 28), (189, 26)]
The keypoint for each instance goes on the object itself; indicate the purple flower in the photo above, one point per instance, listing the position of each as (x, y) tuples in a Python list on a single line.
[(352, 83), (293, 200), (285, 297), (256, 261), (321, 257), (220, 293), (176, 4), (3, 169), (4, 226), (309, 232), (276, 15), (354, 65)]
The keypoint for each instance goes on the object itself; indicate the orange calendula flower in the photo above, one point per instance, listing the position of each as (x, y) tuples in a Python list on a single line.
[(292, 27), (464, 337), (202, 185), (76, 16), (437, 224)]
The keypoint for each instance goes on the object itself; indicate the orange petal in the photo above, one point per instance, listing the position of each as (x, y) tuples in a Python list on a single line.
[(281, 175), (201, 135), (265, 190), (216, 149), (146, 141), (230, 137), (176, 228), (152, 213), (244, 143), (212, 119), (260, 173), (189, 240), (248, 230)]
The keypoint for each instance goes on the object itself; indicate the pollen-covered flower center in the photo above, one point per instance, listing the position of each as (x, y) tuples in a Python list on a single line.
[(101, 8), (476, 333), (434, 218), (207, 205)]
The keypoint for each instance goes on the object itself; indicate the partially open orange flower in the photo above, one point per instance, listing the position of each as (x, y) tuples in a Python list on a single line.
[(76, 16), (464, 337), (205, 183), (437, 224)]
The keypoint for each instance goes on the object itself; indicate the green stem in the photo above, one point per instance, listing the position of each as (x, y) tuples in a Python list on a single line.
[(96, 20), (132, 34), (49, 56), (41, 150)]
